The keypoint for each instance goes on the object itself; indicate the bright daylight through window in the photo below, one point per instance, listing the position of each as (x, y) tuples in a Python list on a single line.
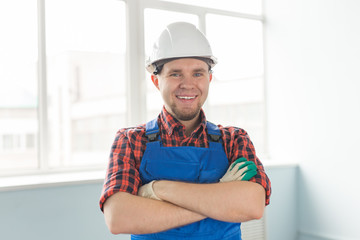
[(18, 90), (86, 80), (86, 84)]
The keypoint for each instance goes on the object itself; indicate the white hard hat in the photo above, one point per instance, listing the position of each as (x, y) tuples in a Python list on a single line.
[(180, 40)]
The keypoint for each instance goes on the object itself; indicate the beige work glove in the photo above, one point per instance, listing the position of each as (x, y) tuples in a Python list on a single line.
[(147, 191), (240, 170)]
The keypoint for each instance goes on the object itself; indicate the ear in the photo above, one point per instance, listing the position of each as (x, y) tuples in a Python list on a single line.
[(210, 77), (155, 80)]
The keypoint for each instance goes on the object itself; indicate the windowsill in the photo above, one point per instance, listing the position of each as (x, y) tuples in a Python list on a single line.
[(50, 180), (12, 183)]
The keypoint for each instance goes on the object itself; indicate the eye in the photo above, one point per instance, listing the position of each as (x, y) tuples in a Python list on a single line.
[(198, 74), (174, 75)]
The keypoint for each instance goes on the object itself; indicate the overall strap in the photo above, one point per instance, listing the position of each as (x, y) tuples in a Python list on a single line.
[(213, 131), (152, 130)]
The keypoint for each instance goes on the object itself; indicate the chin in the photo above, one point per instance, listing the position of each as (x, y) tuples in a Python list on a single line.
[(187, 116)]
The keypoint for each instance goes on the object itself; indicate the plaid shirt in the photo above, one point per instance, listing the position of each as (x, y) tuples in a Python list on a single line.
[(130, 144)]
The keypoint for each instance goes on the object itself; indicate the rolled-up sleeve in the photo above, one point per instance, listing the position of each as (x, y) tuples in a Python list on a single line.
[(121, 174), (240, 145)]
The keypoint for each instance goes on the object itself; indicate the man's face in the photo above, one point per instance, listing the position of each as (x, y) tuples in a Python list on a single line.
[(184, 85)]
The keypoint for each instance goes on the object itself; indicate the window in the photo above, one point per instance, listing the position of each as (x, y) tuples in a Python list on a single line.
[(237, 93), (84, 83), (18, 90), (242, 6), (74, 74)]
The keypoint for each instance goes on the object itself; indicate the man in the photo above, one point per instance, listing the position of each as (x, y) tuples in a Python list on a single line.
[(179, 176)]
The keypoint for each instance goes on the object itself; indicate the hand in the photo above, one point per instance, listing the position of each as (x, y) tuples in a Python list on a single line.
[(240, 170), (148, 191)]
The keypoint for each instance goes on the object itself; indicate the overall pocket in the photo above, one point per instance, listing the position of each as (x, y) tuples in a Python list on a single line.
[(170, 164)]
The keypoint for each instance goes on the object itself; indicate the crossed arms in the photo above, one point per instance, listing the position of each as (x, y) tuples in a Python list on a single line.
[(182, 204)]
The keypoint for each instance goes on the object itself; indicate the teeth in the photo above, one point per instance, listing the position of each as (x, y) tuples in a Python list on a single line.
[(187, 98)]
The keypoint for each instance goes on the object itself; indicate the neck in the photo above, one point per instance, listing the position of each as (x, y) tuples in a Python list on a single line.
[(190, 125)]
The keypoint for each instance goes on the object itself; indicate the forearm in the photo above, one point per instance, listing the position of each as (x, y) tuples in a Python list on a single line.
[(127, 213), (236, 201)]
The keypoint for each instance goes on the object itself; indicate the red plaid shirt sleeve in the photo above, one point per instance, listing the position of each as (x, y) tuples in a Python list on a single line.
[(237, 145), (122, 172)]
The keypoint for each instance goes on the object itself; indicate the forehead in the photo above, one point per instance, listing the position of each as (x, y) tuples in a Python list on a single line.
[(185, 64)]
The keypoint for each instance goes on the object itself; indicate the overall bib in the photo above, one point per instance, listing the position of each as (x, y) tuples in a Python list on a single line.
[(187, 164)]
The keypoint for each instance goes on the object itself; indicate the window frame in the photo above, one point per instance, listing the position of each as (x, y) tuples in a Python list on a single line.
[(134, 74)]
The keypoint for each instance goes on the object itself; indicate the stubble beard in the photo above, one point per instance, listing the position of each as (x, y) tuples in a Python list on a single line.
[(187, 114)]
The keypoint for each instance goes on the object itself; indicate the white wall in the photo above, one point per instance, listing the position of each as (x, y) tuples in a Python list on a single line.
[(313, 74), (72, 212), (281, 214), (55, 212)]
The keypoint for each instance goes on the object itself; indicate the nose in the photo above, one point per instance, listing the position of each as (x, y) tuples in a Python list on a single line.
[(187, 82)]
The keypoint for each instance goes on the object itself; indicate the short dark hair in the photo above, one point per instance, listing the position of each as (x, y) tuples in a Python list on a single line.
[(160, 64)]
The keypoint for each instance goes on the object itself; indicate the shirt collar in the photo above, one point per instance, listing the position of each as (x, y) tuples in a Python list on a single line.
[(170, 123)]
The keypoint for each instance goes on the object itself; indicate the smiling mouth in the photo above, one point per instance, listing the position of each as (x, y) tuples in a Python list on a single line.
[(186, 97)]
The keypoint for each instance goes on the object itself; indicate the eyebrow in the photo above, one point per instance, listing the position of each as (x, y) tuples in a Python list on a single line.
[(200, 70), (194, 70)]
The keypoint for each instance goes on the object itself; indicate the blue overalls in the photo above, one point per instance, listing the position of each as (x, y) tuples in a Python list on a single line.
[(187, 164)]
